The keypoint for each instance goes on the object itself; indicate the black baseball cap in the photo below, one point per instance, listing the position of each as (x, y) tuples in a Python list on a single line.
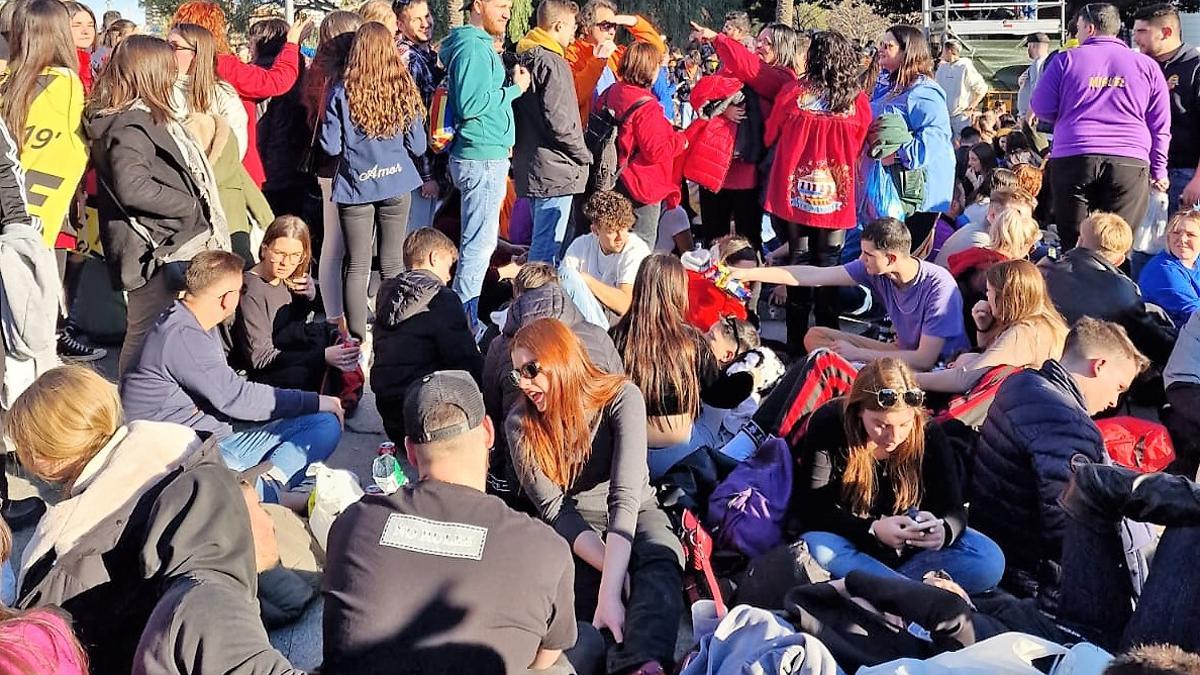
[(1035, 38), (445, 387)]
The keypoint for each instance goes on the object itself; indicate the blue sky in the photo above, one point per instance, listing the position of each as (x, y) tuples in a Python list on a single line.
[(129, 9)]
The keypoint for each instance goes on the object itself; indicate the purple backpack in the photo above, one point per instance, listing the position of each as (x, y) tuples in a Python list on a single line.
[(746, 510)]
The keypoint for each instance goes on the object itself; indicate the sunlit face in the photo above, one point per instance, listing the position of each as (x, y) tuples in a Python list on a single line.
[(1148, 37), (732, 30), (874, 260), (1184, 240), (185, 54), (83, 30), (612, 240), (563, 30), (724, 348), (973, 163), (284, 256), (495, 15), (1110, 378), (535, 388), (603, 30), (887, 430), (763, 46), (890, 53), (416, 22)]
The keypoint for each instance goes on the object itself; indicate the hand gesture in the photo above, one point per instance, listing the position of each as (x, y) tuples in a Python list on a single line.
[(521, 78), (299, 30), (301, 285), (605, 49), (735, 113), (982, 314), (610, 614), (626, 20), (703, 33), (341, 356)]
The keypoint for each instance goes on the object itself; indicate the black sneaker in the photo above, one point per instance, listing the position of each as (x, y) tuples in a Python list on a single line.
[(71, 349)]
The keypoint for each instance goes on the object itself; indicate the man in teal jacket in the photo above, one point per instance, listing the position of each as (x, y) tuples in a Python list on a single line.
[(483, 138)]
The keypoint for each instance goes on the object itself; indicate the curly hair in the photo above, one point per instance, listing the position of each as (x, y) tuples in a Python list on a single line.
[(206, 14), (608, 210), (382, 96), (832, 69)]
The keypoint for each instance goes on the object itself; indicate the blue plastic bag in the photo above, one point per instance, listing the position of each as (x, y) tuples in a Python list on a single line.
[(878, 197)]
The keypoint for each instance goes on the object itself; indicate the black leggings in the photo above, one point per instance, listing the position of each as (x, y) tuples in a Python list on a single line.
[(717, 208), (820, 247), (359, 225)]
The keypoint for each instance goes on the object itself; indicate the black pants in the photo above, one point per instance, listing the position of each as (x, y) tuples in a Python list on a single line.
[(819, 247), (1082, 184), (1184, 427), (655, 600), (360, 222), (717, 208)]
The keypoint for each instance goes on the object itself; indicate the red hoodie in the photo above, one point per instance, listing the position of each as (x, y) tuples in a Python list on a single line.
[(85, 70), (647, 146), (254, 84)]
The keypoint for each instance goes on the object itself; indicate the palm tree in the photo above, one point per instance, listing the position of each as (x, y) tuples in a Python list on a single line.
[(785, 11)]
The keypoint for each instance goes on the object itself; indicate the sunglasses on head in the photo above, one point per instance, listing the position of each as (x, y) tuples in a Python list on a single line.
[(890, 398), (526, 372)]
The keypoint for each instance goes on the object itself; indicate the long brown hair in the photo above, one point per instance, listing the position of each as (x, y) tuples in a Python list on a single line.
[(381, 95), (40, 39), (1021, 297), (209, 15), (903, 465), (655, 326), (333, 47), (559, 439), (917, 59), (204, 80), (141, 68)]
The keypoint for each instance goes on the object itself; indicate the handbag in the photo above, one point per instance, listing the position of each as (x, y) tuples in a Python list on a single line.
[(347, 386), (308, 160)]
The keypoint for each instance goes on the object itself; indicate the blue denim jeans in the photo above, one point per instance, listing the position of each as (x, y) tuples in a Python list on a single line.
[(290, 445), (481, 182), (974, 560), (421, 211), (550, 218), (576, 289)]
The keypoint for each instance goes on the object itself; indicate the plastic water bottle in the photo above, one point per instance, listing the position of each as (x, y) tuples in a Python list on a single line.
[(386, 470)]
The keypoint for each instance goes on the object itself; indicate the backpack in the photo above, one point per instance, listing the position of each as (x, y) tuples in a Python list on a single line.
[(746, 510), (441, 120), (601, 140), (1137, 444)]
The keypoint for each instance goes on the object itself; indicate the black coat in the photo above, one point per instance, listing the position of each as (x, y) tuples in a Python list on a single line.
[(1037, 425), (1081, 283), (142, 177), (549, 158)]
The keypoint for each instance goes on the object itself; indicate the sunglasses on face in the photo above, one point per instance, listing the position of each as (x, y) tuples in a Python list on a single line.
[(526, 372), (890, 398), (607, 26)]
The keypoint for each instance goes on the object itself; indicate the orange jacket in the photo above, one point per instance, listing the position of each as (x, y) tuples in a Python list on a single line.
[(586, 68)]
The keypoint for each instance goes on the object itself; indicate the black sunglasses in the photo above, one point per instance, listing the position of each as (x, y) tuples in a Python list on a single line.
[(528, 372), (890, 398), (606, 25)]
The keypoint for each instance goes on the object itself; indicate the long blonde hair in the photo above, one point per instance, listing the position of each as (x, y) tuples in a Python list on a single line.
[(381, 95), (1021, 297), (904, 465)]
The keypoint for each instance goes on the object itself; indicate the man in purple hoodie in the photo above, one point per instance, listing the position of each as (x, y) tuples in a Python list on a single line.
[(1110, 109)]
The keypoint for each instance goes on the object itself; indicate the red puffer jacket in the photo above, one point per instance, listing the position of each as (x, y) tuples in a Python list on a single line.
[(710, 141), (647, 146)]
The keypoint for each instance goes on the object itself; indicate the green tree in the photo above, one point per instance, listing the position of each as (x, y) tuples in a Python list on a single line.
[(520, 19)]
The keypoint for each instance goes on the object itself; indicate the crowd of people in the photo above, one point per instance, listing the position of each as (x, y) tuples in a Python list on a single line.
[(578, 238)]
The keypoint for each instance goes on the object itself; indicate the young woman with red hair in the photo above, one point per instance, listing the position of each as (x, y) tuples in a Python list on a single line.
[(252, 83), (578, 443)]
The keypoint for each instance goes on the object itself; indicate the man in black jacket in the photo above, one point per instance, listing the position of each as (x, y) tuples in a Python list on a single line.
[(550, 159), (419, 327), (1038, 427)]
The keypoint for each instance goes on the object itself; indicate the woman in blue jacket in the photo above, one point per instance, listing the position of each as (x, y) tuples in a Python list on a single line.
[(907, 89), (1170, 279), (374, 124)]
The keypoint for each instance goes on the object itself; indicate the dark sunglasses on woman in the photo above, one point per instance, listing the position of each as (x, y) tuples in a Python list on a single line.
[(890, 398), (527, 372)]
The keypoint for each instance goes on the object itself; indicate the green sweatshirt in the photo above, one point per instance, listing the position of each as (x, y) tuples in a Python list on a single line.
[(481, 103)]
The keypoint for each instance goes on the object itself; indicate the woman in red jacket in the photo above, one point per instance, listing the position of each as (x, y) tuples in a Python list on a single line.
[(777, 59), (252, 83), (83, 32), (817, 127), (647, 145)]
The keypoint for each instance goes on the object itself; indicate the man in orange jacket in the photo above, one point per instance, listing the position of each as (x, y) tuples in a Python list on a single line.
[(597, 49)]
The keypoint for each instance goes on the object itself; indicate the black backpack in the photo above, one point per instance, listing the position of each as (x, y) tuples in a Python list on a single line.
[(601, 139)]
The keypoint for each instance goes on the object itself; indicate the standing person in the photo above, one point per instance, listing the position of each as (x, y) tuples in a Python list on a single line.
[(737, 27), (550, 159), (777, 59), (106, 35), (83, 33), (909, 90), (328, 67), (415, 42), (380, 12), (483, 140), (1037, 46), (374, 122), (595, 57), (1111, 114), (283, 131), (252, 83), (818, 126), (152, 173), (1158, 34), (578, 444), (964, 86)]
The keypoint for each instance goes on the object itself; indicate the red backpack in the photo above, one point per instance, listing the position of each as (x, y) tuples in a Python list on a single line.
[(1137, 444)]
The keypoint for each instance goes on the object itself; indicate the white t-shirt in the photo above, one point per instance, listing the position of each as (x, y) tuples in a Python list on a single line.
[(585, 255)]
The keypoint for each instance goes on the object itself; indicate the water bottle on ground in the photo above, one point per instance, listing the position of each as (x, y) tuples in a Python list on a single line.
[(386, 470)]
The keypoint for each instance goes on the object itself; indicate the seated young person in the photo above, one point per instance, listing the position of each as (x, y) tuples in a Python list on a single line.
[(1016, 324), (578, 443), (272, 337), (921, 298), (976, 233), (880, 488), (485, 590), (1171, 279), (181, 376), (420, 327), (598, 269)]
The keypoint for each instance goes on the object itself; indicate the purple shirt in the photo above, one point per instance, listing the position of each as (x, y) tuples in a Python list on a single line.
[(1105, 99), (930, 305)]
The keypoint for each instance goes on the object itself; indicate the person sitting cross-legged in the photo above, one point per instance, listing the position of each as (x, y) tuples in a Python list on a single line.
[(922, 299), (181, 376)]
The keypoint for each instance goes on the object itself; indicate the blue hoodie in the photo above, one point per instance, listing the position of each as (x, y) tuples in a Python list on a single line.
[(481, 103), (369, 169), (923, 107)]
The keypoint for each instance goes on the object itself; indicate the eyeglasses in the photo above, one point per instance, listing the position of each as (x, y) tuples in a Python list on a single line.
[(287, 257), (176, 47), (526, 372), (890, 398), (239, 290), (1087, 15), (731, 323), (607, 26)]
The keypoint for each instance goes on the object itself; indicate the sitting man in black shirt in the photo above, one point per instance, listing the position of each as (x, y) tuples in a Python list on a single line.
[(442, 578)]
